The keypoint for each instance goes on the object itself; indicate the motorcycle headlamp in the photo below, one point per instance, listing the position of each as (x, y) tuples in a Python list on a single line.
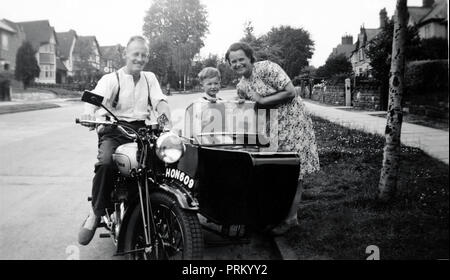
[(169, 147)]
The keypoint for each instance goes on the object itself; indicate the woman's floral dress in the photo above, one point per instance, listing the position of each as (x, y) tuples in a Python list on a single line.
[(295, 129)]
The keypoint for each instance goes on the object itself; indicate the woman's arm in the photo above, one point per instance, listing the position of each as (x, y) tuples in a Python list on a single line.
[(284, 96)]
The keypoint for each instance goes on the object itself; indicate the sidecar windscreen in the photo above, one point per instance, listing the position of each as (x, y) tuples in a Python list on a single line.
[(225, 123)]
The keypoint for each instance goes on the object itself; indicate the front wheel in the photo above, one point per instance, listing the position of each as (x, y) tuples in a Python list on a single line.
[(178, 232)]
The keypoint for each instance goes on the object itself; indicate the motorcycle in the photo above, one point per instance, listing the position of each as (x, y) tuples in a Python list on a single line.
[(152, 217)]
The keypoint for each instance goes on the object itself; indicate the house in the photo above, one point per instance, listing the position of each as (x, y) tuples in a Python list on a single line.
[(345, 48), (86, 59), (359, 59), (112, 58), (431, 19), (11, 38), (42, 37), (66, 47)]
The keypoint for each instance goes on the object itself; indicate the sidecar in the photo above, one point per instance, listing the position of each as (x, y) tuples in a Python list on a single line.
[(232, 168)]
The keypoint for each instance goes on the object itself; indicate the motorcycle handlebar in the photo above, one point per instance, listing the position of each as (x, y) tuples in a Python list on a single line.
[(124, 131), (78, 121)]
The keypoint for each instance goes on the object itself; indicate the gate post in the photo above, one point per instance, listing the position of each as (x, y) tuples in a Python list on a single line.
[(348, 93)]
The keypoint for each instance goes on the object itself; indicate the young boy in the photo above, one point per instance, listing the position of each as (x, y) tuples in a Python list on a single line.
[(210, 80)]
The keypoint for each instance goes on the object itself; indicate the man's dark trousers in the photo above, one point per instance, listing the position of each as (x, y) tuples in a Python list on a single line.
[(109, 139)]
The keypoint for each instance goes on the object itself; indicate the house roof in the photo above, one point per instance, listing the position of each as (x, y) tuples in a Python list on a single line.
[(343, 49), (12, 25), (437, 12), (65, 40), (60, 65), (37, 32), (422, 15), (417, 13), (86, 40), (6, 27), (372, 33)]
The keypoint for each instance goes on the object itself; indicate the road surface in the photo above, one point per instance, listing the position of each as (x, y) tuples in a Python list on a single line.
[(46, 168)]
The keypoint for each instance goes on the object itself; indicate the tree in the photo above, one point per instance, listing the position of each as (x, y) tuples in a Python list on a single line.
[(159, 60), (295, 46), (335, 65), (27, 67), (391, 156), (262, 49), (181, 26), (379, 52), (249, 36)]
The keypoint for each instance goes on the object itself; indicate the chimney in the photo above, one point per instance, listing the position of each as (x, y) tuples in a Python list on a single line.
[(427, 3), (347, 40), (383, 18)]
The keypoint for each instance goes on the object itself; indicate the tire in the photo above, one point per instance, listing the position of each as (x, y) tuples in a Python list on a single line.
[(185, 228)]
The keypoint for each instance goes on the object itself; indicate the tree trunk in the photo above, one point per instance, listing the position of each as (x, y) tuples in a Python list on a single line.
[(391, 157)]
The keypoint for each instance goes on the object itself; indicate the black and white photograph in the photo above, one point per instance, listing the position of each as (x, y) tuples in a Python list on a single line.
[(229, 131)]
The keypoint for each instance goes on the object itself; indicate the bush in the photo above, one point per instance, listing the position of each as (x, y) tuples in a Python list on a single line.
[(338, 79), (422, 77)]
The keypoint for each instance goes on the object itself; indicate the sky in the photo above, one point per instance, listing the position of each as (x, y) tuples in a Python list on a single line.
[(114, 21)]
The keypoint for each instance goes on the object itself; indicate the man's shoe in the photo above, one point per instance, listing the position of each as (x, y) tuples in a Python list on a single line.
[(87, 233)]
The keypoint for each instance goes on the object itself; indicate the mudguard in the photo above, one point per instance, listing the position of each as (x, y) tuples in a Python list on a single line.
[(183, 198)]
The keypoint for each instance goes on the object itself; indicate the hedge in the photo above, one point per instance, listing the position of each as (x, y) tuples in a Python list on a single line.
[(425, 76)]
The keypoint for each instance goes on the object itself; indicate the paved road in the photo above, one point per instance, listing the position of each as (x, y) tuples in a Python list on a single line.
[(46, 166)]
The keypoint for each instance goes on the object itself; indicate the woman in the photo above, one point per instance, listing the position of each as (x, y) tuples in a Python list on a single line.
[(269, 86)]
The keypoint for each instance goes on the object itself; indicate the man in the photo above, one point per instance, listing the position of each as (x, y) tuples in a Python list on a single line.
[(133, 96)]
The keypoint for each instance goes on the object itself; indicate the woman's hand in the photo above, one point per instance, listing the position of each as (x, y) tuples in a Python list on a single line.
[(257, 98)]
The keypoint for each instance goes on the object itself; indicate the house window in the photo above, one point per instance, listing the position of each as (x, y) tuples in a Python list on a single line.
[(46, 58), (47, 71), (4, 41)]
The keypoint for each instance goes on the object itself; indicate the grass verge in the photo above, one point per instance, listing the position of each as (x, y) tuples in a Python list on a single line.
[(340, 214)]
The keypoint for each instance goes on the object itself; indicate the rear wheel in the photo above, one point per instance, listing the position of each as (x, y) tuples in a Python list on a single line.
[(179, 234)]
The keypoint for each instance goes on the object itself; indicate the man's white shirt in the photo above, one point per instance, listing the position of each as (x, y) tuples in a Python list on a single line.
[(133, 99)]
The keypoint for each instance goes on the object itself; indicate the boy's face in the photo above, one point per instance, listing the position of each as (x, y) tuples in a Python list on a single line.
[(211, 86)]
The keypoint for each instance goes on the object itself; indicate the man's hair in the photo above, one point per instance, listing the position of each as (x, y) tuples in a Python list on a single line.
[(248, 51), (137, 38), (208, 73)]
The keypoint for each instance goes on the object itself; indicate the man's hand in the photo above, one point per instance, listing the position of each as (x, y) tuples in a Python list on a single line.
[(87, 117)]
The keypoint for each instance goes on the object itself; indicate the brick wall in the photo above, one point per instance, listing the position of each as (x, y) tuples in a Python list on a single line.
[(366, 97), (334, 95)]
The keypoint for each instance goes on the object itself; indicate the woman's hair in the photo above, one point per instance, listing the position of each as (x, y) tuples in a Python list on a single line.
[(241, 46), (208, 73)]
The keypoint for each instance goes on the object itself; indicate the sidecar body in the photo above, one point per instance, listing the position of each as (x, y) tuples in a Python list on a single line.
[(231, 167)]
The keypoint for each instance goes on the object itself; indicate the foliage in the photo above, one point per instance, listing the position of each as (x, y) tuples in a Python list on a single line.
[(159, 60), (295, 46), (335, 65), (27, 67), (380, 49), (426, 76), (434, 48), (289, 47), (85, 72), (227, 75), (175, 29)]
